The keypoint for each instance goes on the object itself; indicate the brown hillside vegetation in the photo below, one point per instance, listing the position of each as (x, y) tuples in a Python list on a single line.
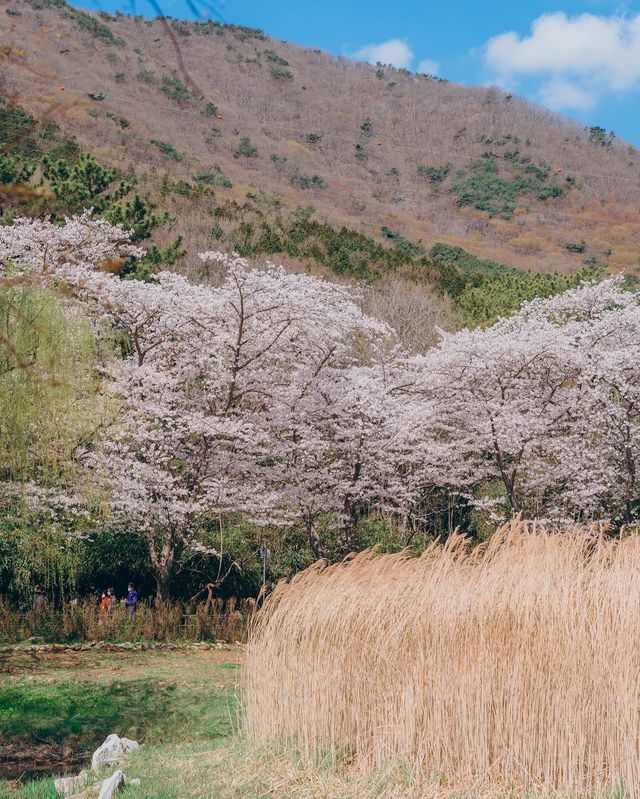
[(513, 665), (367, 146)]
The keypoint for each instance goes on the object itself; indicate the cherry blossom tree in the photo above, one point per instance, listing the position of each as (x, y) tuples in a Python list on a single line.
[(203, 376), (543, 402), (274, 396)]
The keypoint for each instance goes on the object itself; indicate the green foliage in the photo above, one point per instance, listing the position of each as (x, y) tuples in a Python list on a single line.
[(576, 246), (167, 150), (36, 711), (214, 177), (40, 789), (15, 169), (47, 398), (443, 253), (155, 257), (308, 181), (210, 110), (342, 250), (485, 303), (484, 186), (366, 127), (245, 149), (136, 214), (147, 76), (401, 243), (77, 183), (359, 152), (281, 73), (272, 56), (434, 174), (93, 26), (598, 135), (244, 32), (485, 290), (21, 136), (99, 113), (313, 138), (181, 27), (33, 552), (176, 90)]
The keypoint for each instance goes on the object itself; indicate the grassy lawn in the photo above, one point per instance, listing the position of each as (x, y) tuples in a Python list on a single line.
[(171, 701)]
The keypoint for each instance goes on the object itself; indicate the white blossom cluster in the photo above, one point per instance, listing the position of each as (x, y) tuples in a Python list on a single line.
[(275, 396)]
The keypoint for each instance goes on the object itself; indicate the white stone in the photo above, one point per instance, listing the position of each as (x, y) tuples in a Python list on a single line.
[(111, 786), (112, 751), (134, 781), (69, 785)]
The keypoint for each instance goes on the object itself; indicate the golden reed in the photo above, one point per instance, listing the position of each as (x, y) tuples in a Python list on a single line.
[(513, 664)]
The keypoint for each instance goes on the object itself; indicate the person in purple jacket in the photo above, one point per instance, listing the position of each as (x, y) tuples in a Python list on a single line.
[(131, 601)]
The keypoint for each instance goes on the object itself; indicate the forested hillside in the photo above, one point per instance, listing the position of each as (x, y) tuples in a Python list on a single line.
[(373, 148)]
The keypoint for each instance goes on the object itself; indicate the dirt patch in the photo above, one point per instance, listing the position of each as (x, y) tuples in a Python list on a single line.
[(21, 758), (88, 663)]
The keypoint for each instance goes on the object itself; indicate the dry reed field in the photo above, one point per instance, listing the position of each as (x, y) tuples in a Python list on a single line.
[(513, 665)]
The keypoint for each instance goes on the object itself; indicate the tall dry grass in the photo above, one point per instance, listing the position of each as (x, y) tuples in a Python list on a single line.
[(164, 621), (516, 664)]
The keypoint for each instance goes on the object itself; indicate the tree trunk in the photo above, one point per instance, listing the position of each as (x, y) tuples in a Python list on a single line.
[(163, 560), (347, 538), (317, 547), (163, 580)]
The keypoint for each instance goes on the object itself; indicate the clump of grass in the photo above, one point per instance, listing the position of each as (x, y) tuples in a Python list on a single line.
[(512, 664)]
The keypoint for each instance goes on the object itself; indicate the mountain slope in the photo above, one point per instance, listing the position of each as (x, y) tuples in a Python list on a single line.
[(376, 148)]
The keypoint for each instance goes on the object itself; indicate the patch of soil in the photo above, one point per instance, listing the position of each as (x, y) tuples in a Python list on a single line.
[(21, 758)]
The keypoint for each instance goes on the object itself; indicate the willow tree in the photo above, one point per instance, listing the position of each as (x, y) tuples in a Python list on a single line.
[(47, 395)]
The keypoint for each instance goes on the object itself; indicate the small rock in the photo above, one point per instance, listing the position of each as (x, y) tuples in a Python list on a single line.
[(135, 781), (111, 786), (69, 785), (112, 751)]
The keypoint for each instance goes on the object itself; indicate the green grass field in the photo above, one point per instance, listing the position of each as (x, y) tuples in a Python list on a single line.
[(177, 704)]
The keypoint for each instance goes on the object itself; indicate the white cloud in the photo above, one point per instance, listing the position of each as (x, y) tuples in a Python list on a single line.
[(394, 51), (560, 94), (428, 67), (578, 58)]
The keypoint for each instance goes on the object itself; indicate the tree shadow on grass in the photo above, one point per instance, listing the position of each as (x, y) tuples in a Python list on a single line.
[(48, 727)]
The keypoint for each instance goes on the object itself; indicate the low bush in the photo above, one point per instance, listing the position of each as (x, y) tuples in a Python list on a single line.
[(498, 184), (167, 149), (434, 174), (280, 73), (176, 90), (308, 181), (246, 149)]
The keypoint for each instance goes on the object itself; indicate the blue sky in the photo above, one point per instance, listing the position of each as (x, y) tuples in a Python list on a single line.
[(579, 58)]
